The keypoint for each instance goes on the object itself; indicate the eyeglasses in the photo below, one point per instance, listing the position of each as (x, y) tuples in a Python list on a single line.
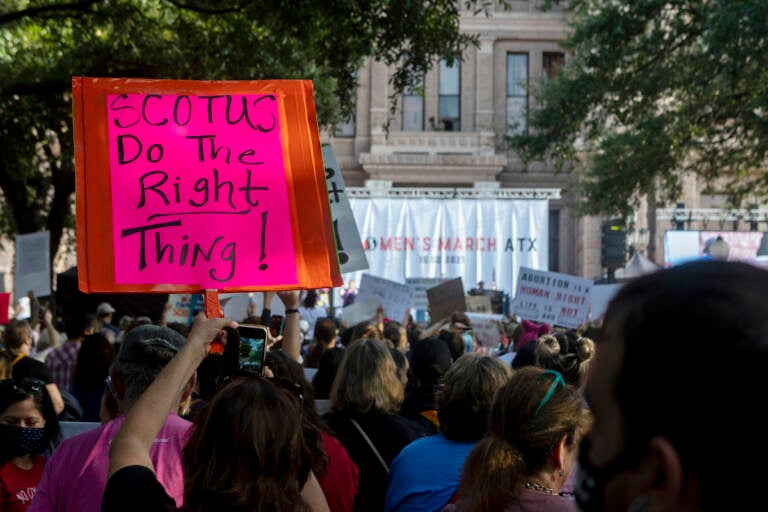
[(25, 385), (110, 387)]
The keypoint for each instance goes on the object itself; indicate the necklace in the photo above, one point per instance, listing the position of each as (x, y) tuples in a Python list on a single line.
[(540, 488), (545, 490)]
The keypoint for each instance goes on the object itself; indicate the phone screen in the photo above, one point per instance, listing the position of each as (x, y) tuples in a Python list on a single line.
[(253, 340)]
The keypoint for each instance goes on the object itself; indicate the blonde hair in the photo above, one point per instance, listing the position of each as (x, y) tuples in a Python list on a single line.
[(567, 353), (367, 380)]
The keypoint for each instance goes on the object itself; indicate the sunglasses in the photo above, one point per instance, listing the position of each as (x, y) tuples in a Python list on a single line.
[(26, 385)]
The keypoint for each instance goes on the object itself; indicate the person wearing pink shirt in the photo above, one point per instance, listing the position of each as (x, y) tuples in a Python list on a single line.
[(76, 474)]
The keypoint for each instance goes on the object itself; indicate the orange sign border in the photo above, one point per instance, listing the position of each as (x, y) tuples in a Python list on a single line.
[(316, 261)]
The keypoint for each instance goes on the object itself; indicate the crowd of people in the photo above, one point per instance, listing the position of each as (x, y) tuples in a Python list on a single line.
[(388, 415)]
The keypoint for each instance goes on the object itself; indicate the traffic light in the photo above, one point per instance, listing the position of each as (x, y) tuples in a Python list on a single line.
[(614, 244)]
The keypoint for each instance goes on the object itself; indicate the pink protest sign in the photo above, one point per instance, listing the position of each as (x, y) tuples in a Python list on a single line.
[(199, 192), (187, 185)]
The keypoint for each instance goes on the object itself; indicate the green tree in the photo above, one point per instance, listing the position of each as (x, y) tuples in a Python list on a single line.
[(44, 43), (656, 89)]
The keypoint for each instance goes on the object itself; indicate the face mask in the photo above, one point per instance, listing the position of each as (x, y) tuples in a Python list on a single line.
[(17, 441), (592, 480)]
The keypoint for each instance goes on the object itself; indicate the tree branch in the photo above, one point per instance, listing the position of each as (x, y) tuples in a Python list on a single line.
[(205, 10), (46, 9)]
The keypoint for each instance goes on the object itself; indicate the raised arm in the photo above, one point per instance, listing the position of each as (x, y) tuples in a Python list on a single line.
[(433, 329), (291, 330), (133, 441)]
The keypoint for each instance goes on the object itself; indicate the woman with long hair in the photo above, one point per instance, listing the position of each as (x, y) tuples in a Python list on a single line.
[(365, 399), (246, 451), (535, 425)]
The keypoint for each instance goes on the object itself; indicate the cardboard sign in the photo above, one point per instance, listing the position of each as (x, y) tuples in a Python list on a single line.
[(5, 305), (394, 297), (348, 245), (33, 267), (559, 299), (186, 185), (446, 298), (479, 303)]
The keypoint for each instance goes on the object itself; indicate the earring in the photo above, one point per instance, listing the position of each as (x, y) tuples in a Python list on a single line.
[(562, 473)]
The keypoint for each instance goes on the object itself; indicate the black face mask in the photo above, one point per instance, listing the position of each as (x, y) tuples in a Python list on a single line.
[(591, 480), (17, 441)]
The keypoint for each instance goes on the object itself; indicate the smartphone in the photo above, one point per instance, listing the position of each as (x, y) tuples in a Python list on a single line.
[(253, 344)]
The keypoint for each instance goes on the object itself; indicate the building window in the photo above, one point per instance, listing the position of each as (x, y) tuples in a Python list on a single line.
[(554, 241), (449, 91), (347, 128), (517, 93), (553, 62), (413, 108)]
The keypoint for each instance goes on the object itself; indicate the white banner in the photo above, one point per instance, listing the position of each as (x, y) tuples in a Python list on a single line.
[(475, 239), (558, 299)]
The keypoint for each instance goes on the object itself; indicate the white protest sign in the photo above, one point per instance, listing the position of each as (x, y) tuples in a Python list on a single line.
[(419, 287), (361, 310), (179, 310), (33, 267), (348, 244), (486, 329), (394, 296), (600, 297), (559, 299)]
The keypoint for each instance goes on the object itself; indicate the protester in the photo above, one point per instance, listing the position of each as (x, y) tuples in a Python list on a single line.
[(349, 294), (365, 399), (28, 429), (530, 332), (311, 311), (425, 475), (245, 452), (323, 379), (18, 343), (676, 389), (535, 424), (567, 353), (429, 360), (94, 359), (76, 474), (61, 360), (104, 312), (334, 469), (323, 339)]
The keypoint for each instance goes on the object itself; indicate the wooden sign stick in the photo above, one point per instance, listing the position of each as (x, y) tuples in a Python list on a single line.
[(213, 310)]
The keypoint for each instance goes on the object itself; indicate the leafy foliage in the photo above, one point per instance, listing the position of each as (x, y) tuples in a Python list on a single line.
[(656, 89), (44, 43)]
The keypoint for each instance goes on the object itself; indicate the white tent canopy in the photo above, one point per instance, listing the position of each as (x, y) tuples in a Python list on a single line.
[(637, 265)]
